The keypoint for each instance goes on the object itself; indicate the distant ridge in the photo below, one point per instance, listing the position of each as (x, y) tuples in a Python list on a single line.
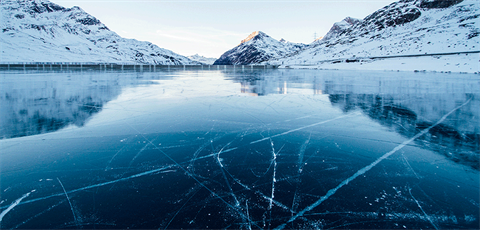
[(202, 59)]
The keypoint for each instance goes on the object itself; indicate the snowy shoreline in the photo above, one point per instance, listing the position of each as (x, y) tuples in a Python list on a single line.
[(461, 63)]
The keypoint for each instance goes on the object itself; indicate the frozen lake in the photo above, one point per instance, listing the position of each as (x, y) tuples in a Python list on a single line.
[(239, 149)]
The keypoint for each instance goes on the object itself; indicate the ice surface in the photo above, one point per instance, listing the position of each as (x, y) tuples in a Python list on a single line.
[(239, 149)]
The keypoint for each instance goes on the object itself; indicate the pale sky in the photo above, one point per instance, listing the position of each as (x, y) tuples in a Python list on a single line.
[(211, 27)]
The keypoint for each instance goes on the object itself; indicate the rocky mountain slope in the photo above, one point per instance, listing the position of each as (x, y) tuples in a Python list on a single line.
[(403, 28), (340, 27), (202, 59), (41, 31), (257, 47)]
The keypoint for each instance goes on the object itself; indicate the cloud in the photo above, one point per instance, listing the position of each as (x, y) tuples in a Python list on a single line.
[(206, 41), (205, 35)]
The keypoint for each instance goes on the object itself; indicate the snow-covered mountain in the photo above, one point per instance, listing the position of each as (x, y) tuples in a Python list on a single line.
[(41, 31), (202, 59), (406, 27), (257, 47)]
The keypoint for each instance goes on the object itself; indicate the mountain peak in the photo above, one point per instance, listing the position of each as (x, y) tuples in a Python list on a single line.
[(253, 35), (351, 21), (33, 6)]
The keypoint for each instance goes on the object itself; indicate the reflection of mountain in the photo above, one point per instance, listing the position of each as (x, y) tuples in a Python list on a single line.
[(458, 133), (277, 82), (42, 115), (40, 103), (404, 102), (458, 138)]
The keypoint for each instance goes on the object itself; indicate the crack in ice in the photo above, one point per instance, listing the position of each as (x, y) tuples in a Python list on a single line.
[(201, 148), (301, 154), (99, 184), (69, 202), (248, 215), (110, 161), (261, 194), (304, 127), (274, 160), (138, 154), (237, 203), (418, 204), (13, 205), (39, 214), (166, 227)]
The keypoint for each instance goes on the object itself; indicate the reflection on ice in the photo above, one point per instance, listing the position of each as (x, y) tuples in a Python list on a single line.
[(193, 149), (452, 138), (38, 103)]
